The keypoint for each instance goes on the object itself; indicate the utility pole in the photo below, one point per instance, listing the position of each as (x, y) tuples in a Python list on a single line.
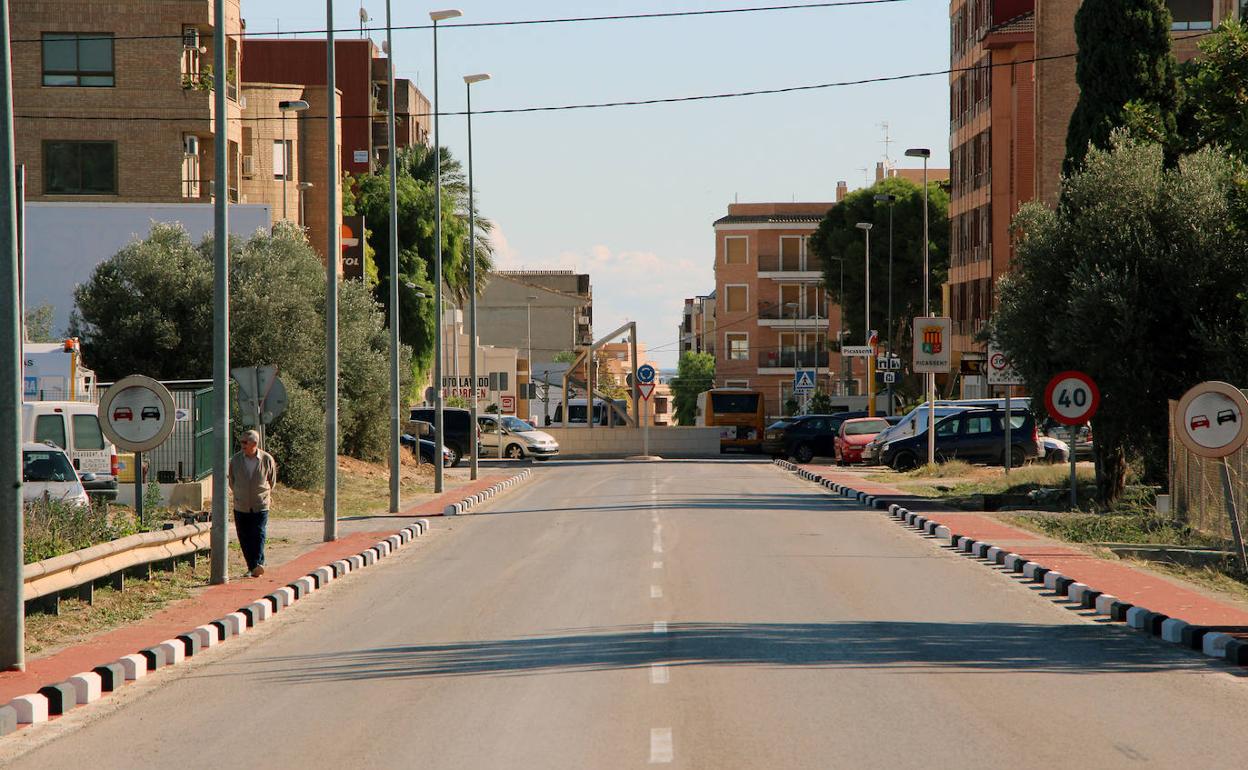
[(474, 348), (12, 562), (333, 258), (219, 568), (395, 407)]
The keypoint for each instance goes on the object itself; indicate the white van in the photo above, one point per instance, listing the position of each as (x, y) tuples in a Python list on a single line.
[(74, 427)]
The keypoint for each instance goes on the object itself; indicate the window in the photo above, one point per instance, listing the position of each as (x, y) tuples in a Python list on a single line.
[(736, 298), (735, 251), (1191, 14), (281, 158), (734, 403), (742, 384), (738, 346), (50, 427), (87, 436), (78, 59), (948, 428), (791, 252), (80, 168), (790, 293), (978, 425)]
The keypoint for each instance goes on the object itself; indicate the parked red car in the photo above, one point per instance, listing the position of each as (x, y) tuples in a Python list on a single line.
[(854, 435)]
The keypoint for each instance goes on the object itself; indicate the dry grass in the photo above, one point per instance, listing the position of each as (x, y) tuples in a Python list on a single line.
[(363, 489)]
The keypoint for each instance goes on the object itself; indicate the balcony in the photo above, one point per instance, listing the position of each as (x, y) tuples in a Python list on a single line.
[(785, 359), (789, 267), (777, 315)]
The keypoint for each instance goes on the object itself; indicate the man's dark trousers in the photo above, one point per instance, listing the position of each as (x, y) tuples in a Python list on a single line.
[(252, 529)]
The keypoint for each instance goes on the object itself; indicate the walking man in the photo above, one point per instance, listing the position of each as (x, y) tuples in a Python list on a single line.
[(253, 473)]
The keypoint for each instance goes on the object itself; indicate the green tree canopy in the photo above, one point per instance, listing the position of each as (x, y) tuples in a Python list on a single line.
[(1214, 93), (370, 196), (148, 310), (1124, 58), (838, 237), (1137, 278), (695, 373)]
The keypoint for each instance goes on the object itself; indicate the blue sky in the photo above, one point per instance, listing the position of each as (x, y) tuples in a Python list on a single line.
[(629, 194)]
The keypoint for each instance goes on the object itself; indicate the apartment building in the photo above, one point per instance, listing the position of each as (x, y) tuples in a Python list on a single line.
[(697, 325), (1012, 91), (772, 314), (547, 312), (86, 71), (360, 76)]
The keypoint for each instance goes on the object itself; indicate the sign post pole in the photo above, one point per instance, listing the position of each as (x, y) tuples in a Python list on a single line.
[(1074, 475), (645, 429), (138, 487), (1228, 490), (1009, 418)]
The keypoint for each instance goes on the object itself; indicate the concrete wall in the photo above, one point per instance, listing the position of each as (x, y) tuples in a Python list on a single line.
[(625, 442)]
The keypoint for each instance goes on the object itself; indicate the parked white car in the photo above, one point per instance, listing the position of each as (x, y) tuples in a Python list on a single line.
[(519, 439), (46, 470)]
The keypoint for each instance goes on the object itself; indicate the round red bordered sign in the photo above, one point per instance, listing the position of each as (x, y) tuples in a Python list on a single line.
[(1072, 398), (1211, 419)]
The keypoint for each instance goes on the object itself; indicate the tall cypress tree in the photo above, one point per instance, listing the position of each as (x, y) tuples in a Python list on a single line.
[(1124, 57)]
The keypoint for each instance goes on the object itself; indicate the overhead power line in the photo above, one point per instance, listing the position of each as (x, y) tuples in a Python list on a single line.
[(620, 103), (524, 22)]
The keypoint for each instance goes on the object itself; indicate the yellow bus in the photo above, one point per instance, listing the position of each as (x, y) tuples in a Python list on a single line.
[(738, 414)]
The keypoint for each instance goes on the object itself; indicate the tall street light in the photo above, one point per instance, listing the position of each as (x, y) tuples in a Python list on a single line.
[(794, 307), (926, 154), (12, 561), (866, 229), (333, 260), (395, 407), (438, 16), (287, 106), (220, 315), (472, 269), (890, 199)]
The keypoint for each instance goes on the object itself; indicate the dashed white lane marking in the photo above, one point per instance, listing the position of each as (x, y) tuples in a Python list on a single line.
[(660, 626), (656, 592), (656, 565), (661, 752), (659, 673), (658, 545)]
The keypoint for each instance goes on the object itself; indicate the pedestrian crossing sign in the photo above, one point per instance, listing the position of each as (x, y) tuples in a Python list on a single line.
[(804, 381)]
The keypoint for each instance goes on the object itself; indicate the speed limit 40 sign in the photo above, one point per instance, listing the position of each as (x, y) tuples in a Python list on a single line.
[(1072, 398)]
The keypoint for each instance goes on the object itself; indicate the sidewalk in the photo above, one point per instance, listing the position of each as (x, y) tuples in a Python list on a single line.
[(214, 601), (1130, 584)]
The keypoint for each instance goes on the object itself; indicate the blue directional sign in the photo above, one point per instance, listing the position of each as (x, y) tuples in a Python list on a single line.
[(645, 374), (804, 381)]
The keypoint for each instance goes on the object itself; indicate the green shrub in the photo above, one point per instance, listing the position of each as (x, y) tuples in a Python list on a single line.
[(53, 528)]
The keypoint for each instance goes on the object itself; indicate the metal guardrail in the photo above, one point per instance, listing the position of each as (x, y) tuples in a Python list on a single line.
[(72, 570)]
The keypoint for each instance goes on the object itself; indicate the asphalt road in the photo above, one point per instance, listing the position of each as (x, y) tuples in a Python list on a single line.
[(702, 615)]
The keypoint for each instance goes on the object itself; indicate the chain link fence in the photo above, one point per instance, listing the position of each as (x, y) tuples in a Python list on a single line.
[(1196, 493)]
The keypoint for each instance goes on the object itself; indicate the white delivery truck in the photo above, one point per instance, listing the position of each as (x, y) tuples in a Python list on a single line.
[(75, 427)]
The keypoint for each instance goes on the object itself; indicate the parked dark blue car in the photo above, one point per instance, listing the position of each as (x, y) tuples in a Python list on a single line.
[(975, 436)]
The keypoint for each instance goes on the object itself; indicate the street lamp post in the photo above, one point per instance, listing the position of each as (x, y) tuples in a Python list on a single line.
[(438, 16), (472, 268), (794, 307), (286, 106), (865, 227), (395, 407), (219, 567), (926, 154), (333, 258), (890, 199)]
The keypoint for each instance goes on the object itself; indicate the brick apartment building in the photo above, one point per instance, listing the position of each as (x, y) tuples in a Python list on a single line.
[(80, 76), (697, 325), (361, 73), (771, 311), (1009, 115)]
